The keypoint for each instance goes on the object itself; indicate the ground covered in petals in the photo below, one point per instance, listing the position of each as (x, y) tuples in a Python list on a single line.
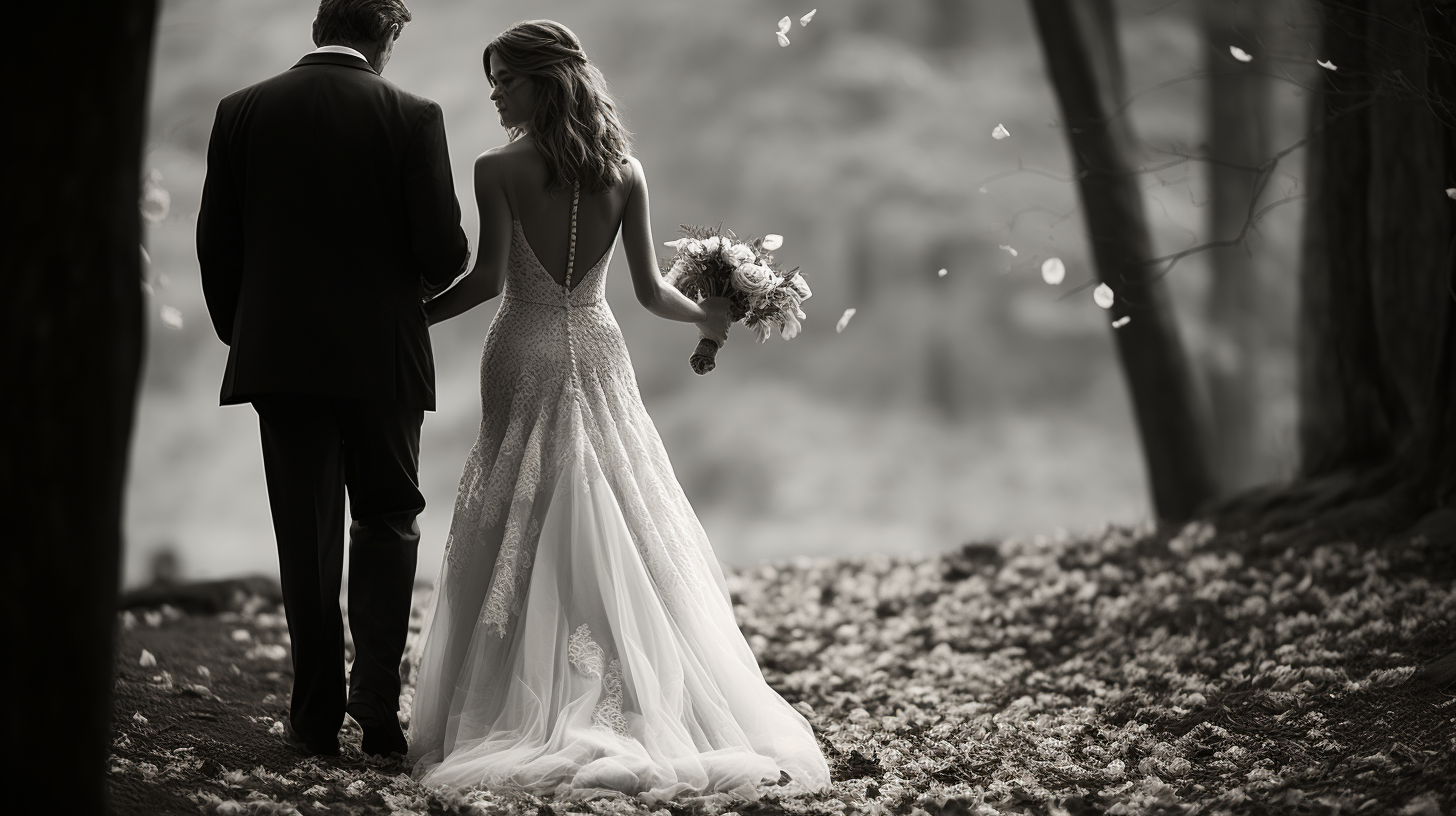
[(1131, 672)]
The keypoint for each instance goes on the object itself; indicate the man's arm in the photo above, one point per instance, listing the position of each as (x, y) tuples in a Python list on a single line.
[(220, 235), (493, 251), (438, 242)]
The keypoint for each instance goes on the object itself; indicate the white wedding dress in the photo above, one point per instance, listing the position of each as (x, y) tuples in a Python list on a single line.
[(581, 640)]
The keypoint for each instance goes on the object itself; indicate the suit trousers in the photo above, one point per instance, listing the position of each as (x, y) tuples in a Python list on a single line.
[(314, 450)]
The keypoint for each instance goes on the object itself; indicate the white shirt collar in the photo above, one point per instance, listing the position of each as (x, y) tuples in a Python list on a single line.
[(338, 49)]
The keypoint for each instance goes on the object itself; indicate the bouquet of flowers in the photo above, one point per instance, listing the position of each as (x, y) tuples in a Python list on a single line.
[(710, 263)]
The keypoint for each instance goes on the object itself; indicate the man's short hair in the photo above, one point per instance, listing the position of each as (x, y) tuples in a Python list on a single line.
[(358, 21)]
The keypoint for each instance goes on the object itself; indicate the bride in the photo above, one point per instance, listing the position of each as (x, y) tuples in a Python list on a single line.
[(580, 640)]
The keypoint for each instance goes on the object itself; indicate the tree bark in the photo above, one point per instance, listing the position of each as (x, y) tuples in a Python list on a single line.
[(1430, 279), (1238, 141), (1345, 420), (1373, 282), (71, 321), (1378, 300), (1079, 42)]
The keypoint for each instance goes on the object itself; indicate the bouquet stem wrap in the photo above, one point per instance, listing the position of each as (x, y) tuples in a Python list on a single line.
[(704, 357)]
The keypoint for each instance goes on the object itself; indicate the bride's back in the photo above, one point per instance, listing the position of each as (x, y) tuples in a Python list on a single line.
[(545, 214)]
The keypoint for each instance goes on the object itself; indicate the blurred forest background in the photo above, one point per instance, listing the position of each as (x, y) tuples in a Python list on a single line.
[(969, 406)]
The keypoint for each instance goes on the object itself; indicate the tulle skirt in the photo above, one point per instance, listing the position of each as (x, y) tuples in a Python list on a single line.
[(607, 677)]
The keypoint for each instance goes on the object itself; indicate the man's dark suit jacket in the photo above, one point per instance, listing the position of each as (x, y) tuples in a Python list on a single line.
[(328, 214)]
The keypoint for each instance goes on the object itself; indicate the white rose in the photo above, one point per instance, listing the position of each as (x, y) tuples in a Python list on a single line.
[(692, 248), (711, 244), (741, 254), (752, 278)]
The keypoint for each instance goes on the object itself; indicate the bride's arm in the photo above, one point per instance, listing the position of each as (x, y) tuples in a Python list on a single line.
[(487, 277), (654, 293)]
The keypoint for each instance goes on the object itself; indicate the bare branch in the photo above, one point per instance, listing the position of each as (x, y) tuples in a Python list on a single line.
[(1029, 170), (1060, 217)]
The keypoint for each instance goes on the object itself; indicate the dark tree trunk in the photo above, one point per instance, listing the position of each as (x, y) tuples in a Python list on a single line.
[(1351, 416), (1377, 385), (1238, 141), (1377, 264), (1079, 42), (71, 320)]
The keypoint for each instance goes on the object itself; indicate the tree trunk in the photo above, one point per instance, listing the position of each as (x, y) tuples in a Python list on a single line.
[(1238, 140), (71, 320), (1376, 264), (1378, 299), (1079, 41)]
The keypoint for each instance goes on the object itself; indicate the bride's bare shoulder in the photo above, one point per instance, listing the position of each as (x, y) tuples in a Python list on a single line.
[(504, 157), (516, 163), (633, 176)]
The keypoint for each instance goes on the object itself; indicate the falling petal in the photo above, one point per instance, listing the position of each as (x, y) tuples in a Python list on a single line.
[(171, 317), (785, 24), (1053, 271), (983, 189), (1000, 132), (276, 728), (783, 41), (772, 241), (1240, 54), (1328, 66), (204, 671), (1121, 321), (156, 201), (843, 320), (148, 659), (803, 21), (942, 273), (139, 718), (1009, 249), (1102, 296), (1451, 192)]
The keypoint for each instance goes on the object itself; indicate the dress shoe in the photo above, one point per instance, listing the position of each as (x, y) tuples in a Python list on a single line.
[(382, 734), (329, 748)]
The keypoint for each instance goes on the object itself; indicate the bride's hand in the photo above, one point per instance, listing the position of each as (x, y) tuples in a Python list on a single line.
[(715, 326)]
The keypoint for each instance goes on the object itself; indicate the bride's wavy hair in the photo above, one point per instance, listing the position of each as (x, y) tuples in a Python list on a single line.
[(575, 126)]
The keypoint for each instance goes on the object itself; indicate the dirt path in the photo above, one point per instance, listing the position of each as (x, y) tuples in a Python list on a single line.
[(1126, 673)]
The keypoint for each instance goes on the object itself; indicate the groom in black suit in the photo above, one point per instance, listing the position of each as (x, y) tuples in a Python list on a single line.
[(328, 217)]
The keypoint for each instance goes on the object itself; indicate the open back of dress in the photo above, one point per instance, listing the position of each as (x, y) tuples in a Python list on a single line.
[(581, 639)]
